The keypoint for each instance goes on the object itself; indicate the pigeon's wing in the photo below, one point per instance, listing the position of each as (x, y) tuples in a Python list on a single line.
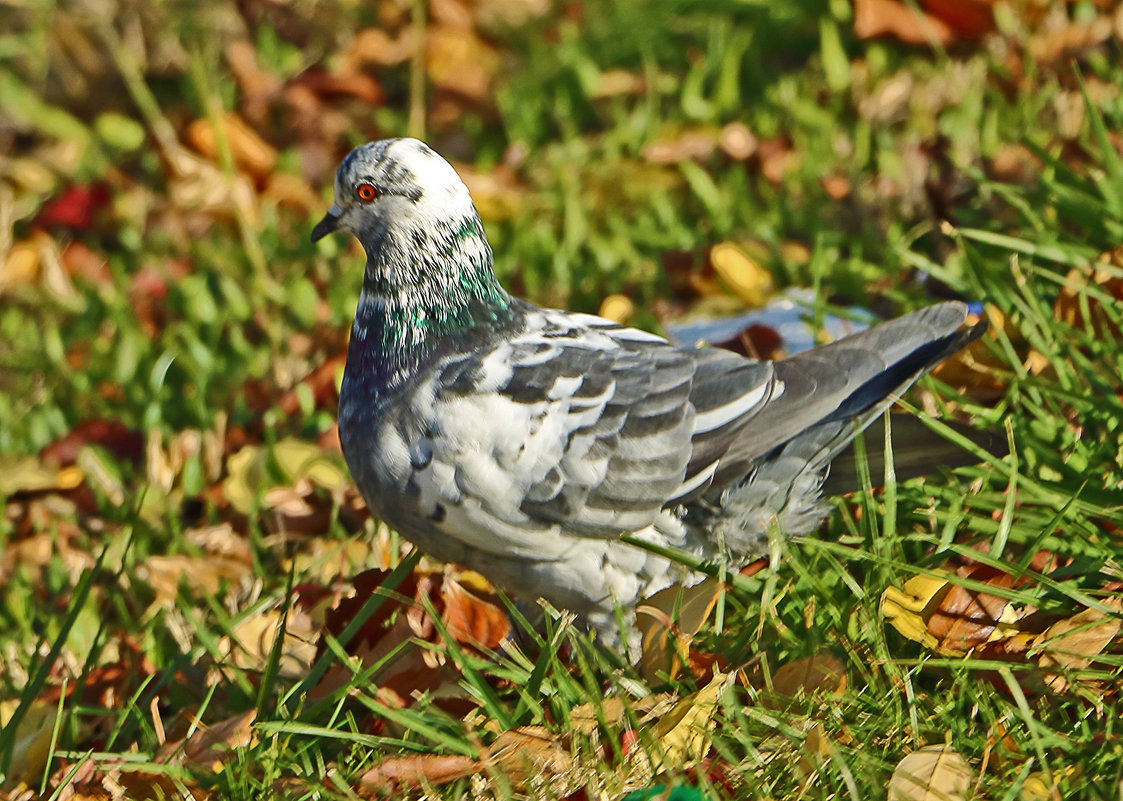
[(581, 424)]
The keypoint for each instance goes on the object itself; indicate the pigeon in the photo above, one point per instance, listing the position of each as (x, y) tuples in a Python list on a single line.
[(523, 442)]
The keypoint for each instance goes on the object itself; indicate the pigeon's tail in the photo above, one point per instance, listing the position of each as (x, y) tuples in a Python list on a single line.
[(901, 343), (829, 395)]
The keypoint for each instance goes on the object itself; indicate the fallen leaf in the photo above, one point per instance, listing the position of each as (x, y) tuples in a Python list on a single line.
[(1107, 280), (203, 575), (821, 673), (396, 773), (874, 18), (1072, 643), (251, 153), (460, 61), (909, 608), (743, 274), (77, 207), (31, 746), (931, 773), (470, 619), (696, 144), (29, 474), (356, 85), (617, 308), (250, 644), (684, 733), (667, 622), (112, 435)]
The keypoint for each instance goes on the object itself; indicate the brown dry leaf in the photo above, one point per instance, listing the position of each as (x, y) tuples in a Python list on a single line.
[(1072, 643), (617, 82), (495, 192), (667, 622), (968, 19), (251, 153), (821, 673), (931, 773), (390, 775), (213, 743), (1107, 278), (196, 184), (776, 158), (376, 47), (873, 18), (949, 618), (204, 575), (973, 370), (291, 191), (460, 61), (965, 619), (258, 87), (738, 142), (696, 144), (529, 751), (113, 435), (252, 640), (79, 261)]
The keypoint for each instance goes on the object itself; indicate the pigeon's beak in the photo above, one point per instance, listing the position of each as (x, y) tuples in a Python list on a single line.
[(328, 225)]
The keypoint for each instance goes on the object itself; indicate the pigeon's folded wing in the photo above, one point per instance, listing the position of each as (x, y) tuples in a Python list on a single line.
[(595, 430)]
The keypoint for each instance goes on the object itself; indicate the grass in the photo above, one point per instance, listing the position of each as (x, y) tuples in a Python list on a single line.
[(104, 659)]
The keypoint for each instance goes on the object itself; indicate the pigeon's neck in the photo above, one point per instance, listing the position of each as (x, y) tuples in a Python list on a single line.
[(424, 290)]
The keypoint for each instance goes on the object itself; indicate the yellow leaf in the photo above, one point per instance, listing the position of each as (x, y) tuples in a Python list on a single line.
[(909, 608), (300, 459), (1037, 786), (931, 773), (684, 732), (743, 274), (32, 744), (617, 308), (28, 474), (246, 472)]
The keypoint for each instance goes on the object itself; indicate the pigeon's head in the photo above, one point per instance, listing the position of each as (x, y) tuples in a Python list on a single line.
[(396, 185)]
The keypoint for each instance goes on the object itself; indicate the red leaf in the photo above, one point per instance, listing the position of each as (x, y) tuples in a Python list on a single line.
[(114, 436), (77, 206)]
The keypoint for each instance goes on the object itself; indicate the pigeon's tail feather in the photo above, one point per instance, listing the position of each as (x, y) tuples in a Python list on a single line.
[(845, 387), (866, 403), (832, 392)]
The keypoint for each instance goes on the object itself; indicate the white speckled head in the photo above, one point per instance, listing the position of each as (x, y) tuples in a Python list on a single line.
[(394, 184)]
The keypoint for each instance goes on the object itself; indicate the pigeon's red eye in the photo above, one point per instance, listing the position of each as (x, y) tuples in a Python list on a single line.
[(366, 192)]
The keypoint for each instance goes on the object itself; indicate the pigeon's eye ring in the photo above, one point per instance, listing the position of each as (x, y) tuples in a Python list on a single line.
[(366, 192)]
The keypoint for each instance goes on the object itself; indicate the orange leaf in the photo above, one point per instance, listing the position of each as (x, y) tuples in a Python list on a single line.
[(472, 620), (873, 18)]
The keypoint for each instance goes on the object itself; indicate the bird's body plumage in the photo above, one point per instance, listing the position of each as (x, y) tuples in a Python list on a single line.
[(523, 442)]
